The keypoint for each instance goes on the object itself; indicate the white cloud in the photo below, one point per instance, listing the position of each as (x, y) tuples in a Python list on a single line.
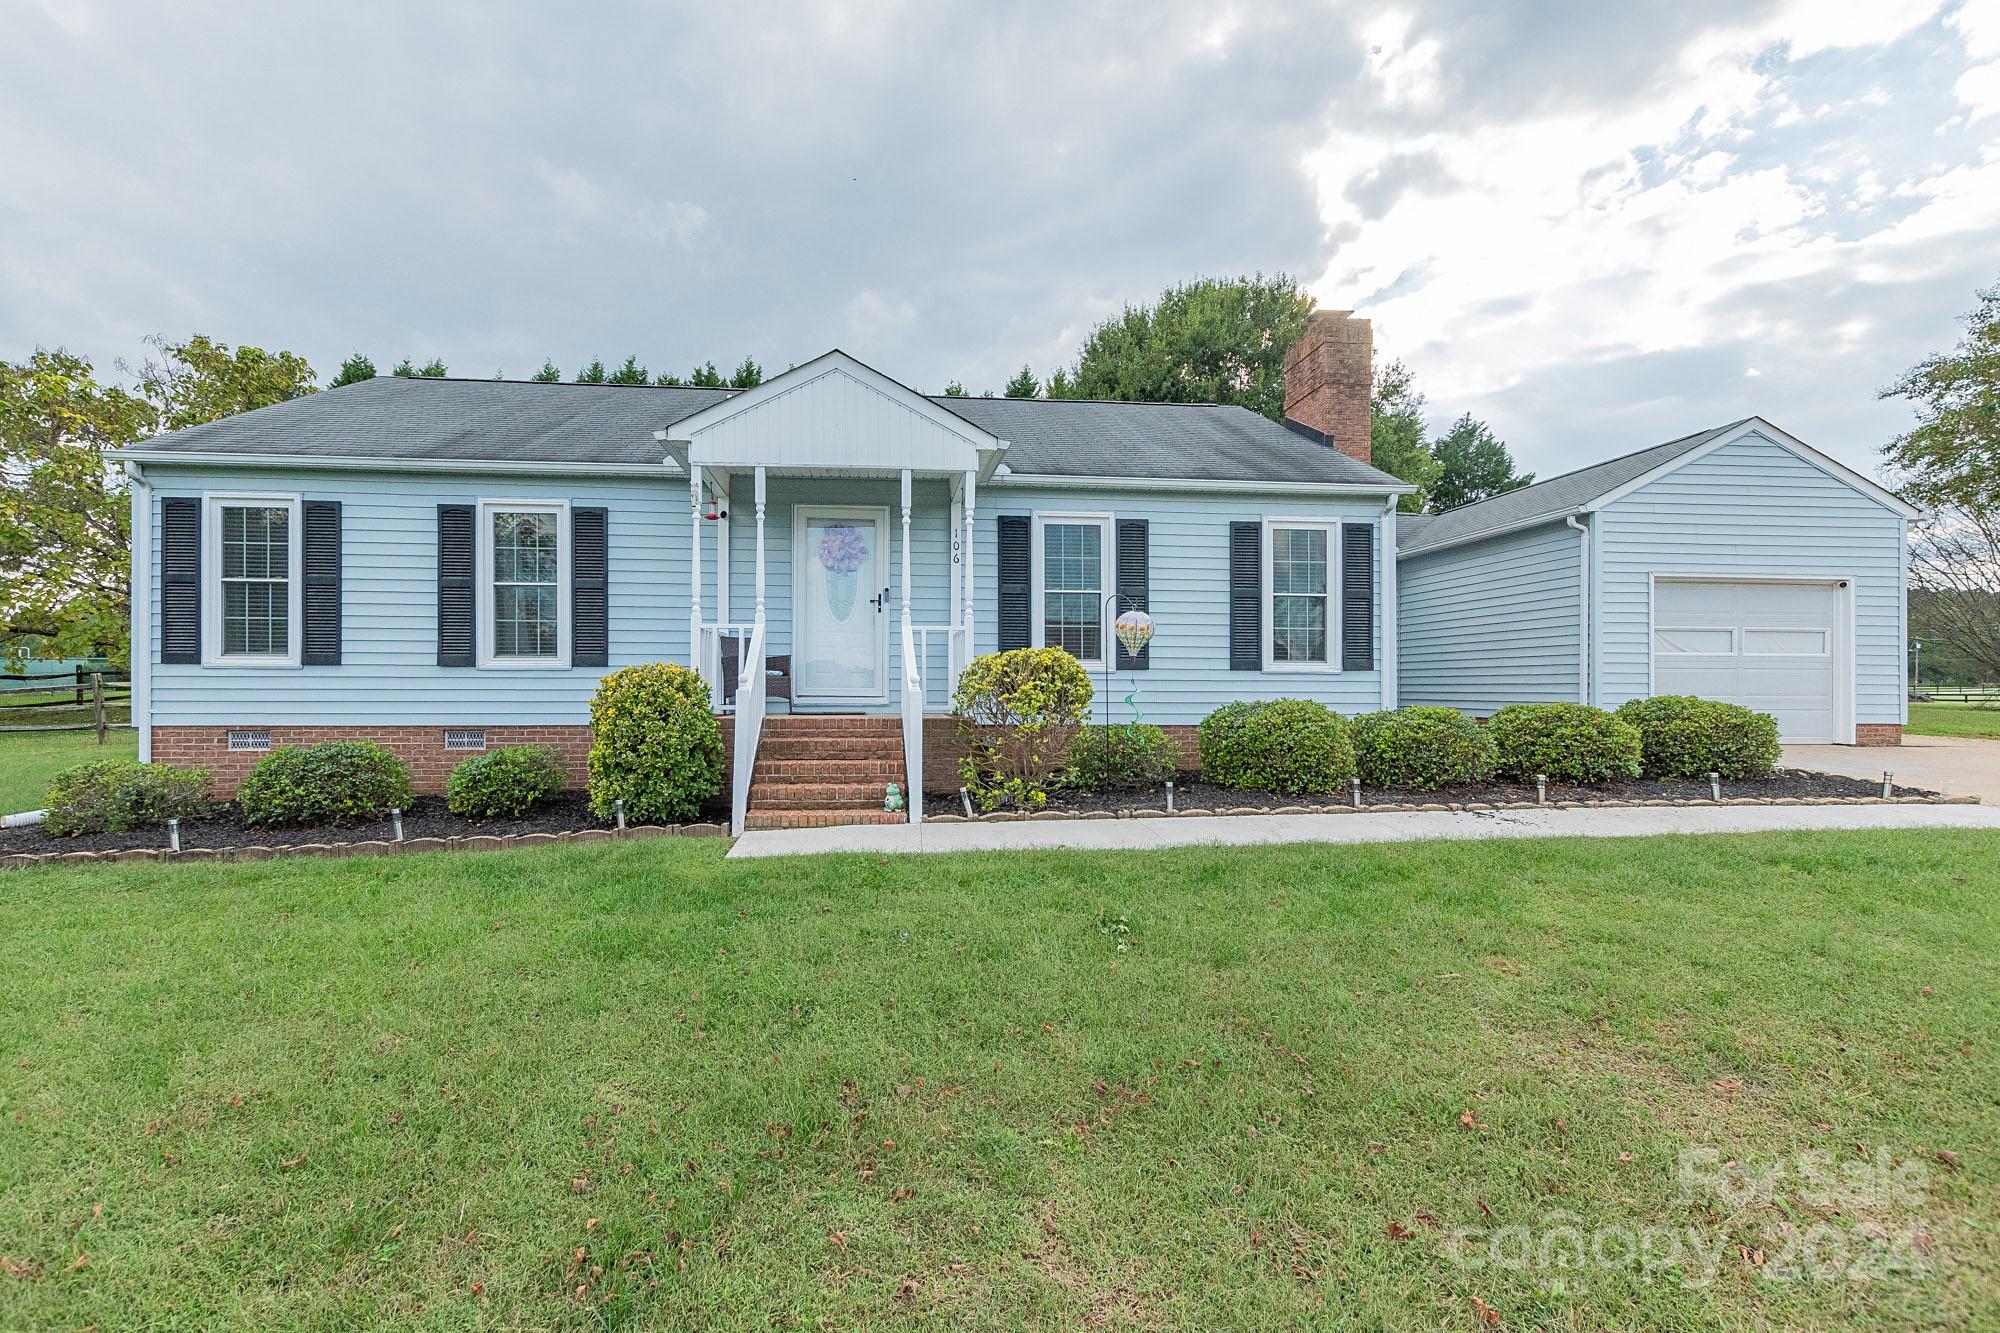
[(1406, 72), (1978, 24), (1979, 89)]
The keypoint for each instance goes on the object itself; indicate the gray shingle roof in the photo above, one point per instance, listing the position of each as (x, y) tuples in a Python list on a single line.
[(517, 421), (1544, 500)]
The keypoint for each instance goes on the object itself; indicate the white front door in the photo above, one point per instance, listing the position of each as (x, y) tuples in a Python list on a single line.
[(840, 621)]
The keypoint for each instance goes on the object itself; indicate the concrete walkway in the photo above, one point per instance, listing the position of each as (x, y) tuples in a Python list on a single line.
[(1266, 830), (1956, 765)]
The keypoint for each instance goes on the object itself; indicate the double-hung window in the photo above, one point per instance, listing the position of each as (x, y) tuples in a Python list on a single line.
[(1072, 564), (524, 583), (1301, 617), (251, 606)]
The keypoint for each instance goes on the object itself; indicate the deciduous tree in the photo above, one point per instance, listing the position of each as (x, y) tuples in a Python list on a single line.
[(1472, 465)]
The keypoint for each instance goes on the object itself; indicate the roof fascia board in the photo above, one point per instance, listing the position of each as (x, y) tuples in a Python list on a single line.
[(1050, 481), (356, 463), (1539, 520), (1784, 440)]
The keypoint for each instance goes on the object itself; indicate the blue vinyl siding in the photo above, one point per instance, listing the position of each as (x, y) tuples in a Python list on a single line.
[(1751, 508), (1491, 623), (389, 673), (1188, 549)]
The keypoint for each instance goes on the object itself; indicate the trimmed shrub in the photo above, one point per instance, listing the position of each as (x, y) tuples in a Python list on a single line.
[(1681, 736), (112, 795), (1121, 758), (1421, 748), (337, 782), (1291, 746), (1024, 707), (1574, 744), (504, 783), (654, 743)]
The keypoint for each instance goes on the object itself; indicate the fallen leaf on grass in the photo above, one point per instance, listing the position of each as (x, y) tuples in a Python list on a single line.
[(1397, 1231), (298, 1161), (1487, 1314), (590, 1223), (1728, 1084), (1948, 1157), (1467, 1119), (1484, 1207), (837, 1239), (81, 1260), (1624, 1156)]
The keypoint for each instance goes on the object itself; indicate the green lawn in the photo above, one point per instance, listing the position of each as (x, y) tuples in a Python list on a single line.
[(29, 759), (637, 1085), (1945, 719)]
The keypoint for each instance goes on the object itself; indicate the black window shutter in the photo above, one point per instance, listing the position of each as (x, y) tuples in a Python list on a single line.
[(455, 559), (1246, 596), (320, 597), (180, 580), (1134, 583), (589, 576), (1016, 585), (1357, 597)]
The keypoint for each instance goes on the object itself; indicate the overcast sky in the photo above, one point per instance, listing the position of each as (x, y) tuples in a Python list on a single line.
[(1596, 226)]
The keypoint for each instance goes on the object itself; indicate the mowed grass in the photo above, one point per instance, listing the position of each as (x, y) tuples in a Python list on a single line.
[(1955, 719), (29, 759), (642, 1086)]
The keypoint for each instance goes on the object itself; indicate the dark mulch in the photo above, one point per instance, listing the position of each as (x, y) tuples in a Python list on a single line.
[(1191, 793), (426, 818)]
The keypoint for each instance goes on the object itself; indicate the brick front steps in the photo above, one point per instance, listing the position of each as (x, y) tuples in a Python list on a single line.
[(821, 771)]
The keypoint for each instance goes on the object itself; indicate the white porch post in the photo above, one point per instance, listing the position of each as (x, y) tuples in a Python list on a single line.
[(957, 581), (694, 566), (722, 550), (906, 549), (971, 618), (760, 545)]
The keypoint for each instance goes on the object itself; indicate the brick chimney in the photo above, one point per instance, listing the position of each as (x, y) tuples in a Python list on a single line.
[(1330, 378)]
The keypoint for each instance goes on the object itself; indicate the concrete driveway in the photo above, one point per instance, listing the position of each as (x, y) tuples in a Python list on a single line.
[(1958, 765)]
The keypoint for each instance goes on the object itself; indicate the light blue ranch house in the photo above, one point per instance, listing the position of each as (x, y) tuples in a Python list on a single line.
[(447, 566)]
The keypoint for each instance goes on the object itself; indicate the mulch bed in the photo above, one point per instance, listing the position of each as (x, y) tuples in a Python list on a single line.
[(427, 817), (1191, 794)]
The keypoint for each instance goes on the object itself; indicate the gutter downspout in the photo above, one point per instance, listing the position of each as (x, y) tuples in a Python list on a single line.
[(141, 647), (1582, 608), (1391, 648)]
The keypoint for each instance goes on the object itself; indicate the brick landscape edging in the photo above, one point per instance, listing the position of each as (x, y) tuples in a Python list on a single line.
[(1004, 816), (497, 842)]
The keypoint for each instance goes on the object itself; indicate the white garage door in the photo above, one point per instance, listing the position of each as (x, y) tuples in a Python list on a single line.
[(1767, 646)]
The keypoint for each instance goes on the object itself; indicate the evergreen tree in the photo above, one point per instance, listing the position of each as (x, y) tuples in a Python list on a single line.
[(955, 390), (748, 375), (706, 376), (629, 373), (1471, 465), (548, 374), (592, 374), (354, 370), (1023, 385)]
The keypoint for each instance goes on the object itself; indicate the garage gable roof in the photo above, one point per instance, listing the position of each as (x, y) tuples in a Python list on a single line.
[(1589, 489)]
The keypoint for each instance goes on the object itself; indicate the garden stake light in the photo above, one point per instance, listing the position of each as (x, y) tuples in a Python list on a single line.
[(173, 835), (965, 799), (1714, 785), (396, 820), (1355, 784), (618, 808), (1541, 789), (1170, 795), (1887, 783)]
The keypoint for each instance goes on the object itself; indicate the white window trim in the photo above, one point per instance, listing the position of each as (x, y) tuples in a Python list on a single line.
[(1331, 526), (483, 581), (1107, 576), (211, 579), (1735, 648)]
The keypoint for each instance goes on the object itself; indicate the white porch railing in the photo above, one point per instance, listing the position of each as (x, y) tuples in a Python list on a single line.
[(749, 726), (710, 659), (913, 726)]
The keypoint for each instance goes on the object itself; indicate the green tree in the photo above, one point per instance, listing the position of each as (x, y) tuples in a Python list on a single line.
[(1213, 340), (667, 379), (202, 380), (629, 373), (1023, 385), (65, 521), (432, 369), (593, 373), (1949, 462), (1471, 465), (548, 374), (706, 376), (354, 370), (748, 375), (954, 390), (1396, 433), (1059, 385)]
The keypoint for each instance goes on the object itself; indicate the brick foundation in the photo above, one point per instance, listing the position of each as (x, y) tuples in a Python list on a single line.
[(422, 748), (1878, 733)]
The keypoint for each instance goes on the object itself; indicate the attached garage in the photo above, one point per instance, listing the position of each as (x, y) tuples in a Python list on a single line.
[(1735, 564), (1776, 646)]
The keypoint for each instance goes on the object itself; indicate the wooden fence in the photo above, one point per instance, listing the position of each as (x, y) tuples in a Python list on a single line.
[(94, 693)]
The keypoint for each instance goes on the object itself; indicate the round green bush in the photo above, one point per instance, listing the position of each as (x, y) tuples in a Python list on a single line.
[(337, 782), (1574, 744), (1421, 748), (1024, 707), (1121, 758), (654, 744), (1681, 736), (1291, 746), (505, 783), (113, 795)]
